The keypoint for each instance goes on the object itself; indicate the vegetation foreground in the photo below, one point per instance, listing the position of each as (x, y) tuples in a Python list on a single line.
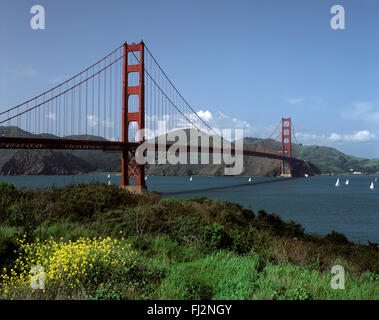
[(100, 242)]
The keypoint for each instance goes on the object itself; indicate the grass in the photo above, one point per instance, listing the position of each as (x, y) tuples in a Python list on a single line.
[(287, 281), (182, 249), (222, 275)]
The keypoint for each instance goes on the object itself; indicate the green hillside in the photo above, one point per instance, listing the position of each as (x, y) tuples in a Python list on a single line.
[(325, 158)]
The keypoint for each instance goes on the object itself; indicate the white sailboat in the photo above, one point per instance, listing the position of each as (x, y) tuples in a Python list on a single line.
[(338, 182), (250, 179), (306, 175), (109, 176), (347, 182), (146, 178), (372, 186), (190, 179), (376, 179)]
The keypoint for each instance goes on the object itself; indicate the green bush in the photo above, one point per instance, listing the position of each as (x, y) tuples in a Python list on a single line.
[(21, 214), (216, 237), (277, 226), (336, 238), (297, 293), (195, 289), (8, 196), (84, 201), (8, 245), (370, 276)]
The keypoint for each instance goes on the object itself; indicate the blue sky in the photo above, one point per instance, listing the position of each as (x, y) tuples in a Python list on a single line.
[(242, 63)]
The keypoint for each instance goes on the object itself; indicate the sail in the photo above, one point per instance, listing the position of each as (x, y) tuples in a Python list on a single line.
[(372, 186), (347, 181), (338, 182)]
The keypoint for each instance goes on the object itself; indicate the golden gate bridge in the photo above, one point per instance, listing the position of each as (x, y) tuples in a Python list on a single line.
[(104, 106)]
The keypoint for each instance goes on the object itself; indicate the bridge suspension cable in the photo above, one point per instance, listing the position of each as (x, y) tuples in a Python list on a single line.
[(294, 133), (166, 109), (61, 84), (180, 95), (276, 132), (90, 102), (70, 107)]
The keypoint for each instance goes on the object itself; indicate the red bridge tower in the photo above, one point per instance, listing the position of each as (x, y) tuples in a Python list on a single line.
[(286, 146), (131, 170)]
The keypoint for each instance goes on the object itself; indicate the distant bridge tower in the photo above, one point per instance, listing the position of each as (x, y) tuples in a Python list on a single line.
[(286, 146), (131, 170)]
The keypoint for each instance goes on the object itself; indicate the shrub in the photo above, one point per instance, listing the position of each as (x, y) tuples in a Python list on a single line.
[(244, 239), (370, 276), (8, 245), (84, 201), (71, 268), (8, 195), (195, 289), (297, 293), (277, 226), (216, 237), (336, 238)]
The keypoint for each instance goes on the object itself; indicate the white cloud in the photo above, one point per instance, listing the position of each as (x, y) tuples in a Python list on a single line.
[(309, 101), (51, 116), (92, 120), (362, 110), (295, 100), (360, 136), (107, 123), (219, 121), (24, 73), (205, 115), (336, 138)]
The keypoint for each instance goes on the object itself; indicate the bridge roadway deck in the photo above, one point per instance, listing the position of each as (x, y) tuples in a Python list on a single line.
[(103, 145)]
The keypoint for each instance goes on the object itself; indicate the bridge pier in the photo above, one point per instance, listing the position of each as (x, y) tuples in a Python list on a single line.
[(286, 175), (135, 188)]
